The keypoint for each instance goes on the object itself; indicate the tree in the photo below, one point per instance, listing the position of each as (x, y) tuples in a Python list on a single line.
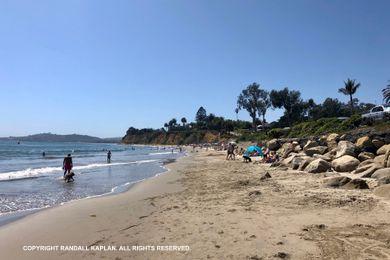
[(264, 104), (350, 88), (201, 115), (250, 100), (183, 121), (294, 107), (172, 123), (386, 94)]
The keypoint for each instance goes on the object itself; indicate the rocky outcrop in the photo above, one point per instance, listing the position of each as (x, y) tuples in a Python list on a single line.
[(345, 163), (318, 166)]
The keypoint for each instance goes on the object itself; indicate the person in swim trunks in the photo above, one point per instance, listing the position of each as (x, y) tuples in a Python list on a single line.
[(67, 165)]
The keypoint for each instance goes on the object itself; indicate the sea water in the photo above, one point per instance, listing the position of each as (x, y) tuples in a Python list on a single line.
[(29, 180)]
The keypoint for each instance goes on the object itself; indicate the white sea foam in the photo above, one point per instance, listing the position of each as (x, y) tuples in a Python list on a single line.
[(33, 173), (162, 153)]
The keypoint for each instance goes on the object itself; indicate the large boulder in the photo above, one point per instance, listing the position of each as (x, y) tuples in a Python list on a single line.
[(365, 156), (384, 180), (273, 144), (356, 184), (366, 162), (332, 140), (316, 150), (381, 173), (368, 172), (363, 142), (383, 149), (345, 163), (318, 166), (383, 191), (336, 182), (363, 168), (285, 150), (323, 157), (305, 163), (310, 144), (297, 160), (345, 148), (386, 160), (380, 160), (287, 161)]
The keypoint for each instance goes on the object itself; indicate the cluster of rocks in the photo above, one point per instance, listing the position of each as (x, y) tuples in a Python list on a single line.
[(367, 156)]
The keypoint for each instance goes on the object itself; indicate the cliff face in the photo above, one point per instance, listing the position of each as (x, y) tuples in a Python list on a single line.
[(172, 138)]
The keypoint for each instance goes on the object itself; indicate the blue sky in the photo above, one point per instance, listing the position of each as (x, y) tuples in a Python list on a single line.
[(99, 67)]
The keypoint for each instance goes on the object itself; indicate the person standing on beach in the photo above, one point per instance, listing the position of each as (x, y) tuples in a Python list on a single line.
[(67, 164), (109, 156)]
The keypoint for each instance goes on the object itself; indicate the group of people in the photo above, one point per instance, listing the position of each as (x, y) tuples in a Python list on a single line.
[(267, 155)]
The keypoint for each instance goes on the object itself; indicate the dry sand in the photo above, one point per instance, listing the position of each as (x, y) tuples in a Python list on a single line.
[(221, 210)]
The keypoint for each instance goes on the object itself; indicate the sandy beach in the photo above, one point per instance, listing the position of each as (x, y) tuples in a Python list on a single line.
[(220, 210)]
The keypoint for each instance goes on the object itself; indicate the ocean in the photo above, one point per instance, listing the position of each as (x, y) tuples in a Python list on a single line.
[(29, 180)]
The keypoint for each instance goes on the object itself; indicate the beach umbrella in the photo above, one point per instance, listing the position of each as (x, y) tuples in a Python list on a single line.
[(254, 148)]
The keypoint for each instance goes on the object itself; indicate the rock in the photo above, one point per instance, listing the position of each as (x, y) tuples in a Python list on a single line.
[(378, 143), (297, 161), (386, 160), (365, 156), (345, 163), (356, 184), (287, 161), (317, 166), (368, 173), (381, 173), (363, 142), (383, 191), (332, 140), (336, 182), (366, 162), (285, 150), (265, 176), (297, 148), (323, 157), (345, 148), (363, 168), (305, 163), (380, 159), (310, 144), (384, 180), (316, 150), (383, 149), (273, 144)]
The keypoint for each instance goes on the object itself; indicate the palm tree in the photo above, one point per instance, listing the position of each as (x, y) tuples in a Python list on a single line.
[(386, 93), (184, 120), (350, 87)]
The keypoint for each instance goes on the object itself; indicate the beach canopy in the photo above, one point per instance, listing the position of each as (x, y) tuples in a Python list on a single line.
[(254, 148)]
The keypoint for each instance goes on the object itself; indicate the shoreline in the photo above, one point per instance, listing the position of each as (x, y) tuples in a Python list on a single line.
[(9, 217), (219, 209)]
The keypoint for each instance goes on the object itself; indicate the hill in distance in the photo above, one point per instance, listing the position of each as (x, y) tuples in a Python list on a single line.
[(49, 137)]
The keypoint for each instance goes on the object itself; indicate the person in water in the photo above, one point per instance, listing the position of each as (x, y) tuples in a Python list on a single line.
[(67, 165), (43, 154), (109, 156)]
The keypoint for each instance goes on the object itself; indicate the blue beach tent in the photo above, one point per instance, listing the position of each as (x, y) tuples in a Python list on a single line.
[(254, 148)]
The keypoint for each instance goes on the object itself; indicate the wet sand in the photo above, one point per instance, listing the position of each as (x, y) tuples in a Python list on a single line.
[(221, 210)]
